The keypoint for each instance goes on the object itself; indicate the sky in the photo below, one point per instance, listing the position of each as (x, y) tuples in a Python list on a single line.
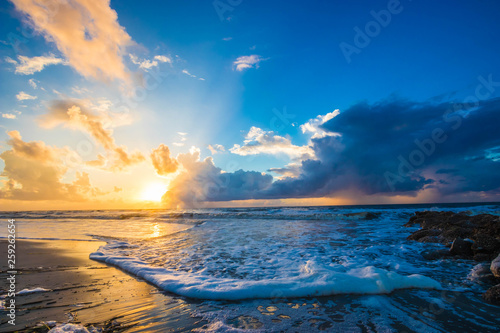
[(228, 103)]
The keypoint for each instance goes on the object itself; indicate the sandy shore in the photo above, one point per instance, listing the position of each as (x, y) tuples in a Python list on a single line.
[(87, 292)]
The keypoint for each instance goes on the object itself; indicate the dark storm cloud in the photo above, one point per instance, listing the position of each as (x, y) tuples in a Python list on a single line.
[(401, 147), (394, 147)]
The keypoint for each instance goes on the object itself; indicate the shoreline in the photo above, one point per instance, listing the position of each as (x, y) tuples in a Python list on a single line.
[(84, 291)]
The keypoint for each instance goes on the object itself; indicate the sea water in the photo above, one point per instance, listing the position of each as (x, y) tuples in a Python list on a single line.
[(288, 268)]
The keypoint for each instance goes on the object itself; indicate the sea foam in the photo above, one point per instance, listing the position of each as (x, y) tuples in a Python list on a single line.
[(313, 280)]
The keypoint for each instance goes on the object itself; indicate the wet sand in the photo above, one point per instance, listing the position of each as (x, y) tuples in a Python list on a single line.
[(87, 292)]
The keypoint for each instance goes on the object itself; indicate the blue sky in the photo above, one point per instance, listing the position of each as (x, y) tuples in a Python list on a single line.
[(231, 71)]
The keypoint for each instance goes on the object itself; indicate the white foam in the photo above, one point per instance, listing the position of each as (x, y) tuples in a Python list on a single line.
[(32, 291), (69, 328), (313, 280), (28, 291)]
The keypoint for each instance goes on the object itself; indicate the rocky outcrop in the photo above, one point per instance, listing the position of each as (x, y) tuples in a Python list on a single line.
[(461, 247), (476, 237), (492, 295), (472, 237)]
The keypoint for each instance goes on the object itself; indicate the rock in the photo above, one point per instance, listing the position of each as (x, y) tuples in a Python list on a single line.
[(481, 257), (481, 273), (446, 227), (461, 247), (495, 267), (457, 232), (419, 234), (484, 243), (492, 295), (435, 254)]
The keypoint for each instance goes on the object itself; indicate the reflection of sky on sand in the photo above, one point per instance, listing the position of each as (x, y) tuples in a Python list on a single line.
[(80, 229)]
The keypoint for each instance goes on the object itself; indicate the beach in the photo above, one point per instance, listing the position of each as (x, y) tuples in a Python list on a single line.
[(84, 291)]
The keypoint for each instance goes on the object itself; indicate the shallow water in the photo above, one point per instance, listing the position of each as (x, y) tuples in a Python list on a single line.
[(299, 269)]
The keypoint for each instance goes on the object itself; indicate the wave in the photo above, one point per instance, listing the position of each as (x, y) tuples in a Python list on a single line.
[(289, 213), (312, 280)]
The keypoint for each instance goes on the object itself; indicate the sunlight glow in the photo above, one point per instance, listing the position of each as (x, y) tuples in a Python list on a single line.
[(153, 192)]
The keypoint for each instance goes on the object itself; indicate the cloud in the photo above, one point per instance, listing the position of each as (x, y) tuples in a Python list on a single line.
[(200, 181), (28, 66), (22, 96), (32, 83), (162, 58), (87, 33), (163, 163), (216, 148), (185, 71), (314, 126), (400, 147), (74, 115), (388, 149), (181, 138), (257, 141), (8, 116), (146, 64), (34, 171), (246, 62)]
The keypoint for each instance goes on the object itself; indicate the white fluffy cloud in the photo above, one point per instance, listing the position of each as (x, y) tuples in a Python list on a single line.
[(258, 141), (28, 66), (246, 62), (313, 126), (8, 116), (216, 148), (147, 64), (33, 83), (162, 58), (86, 32), (22, 96)]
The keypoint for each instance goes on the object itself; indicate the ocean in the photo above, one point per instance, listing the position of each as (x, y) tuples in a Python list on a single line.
[(342, 268)]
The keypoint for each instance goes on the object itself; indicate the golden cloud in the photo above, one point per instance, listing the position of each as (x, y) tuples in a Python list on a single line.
[(74, 115), (86, 32), (34, 171)]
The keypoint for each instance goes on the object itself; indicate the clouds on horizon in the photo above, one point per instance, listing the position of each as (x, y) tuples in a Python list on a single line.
[(200, 181), (391, 148), (399, 147)]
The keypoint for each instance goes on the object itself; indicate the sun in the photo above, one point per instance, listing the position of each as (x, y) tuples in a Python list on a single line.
[(153, 192)]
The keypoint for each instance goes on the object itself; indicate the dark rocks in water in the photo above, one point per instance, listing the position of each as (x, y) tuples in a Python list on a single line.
[(492, 295), (495, 267), (461, 247), (420, 234), (472, 237), (481, 273), (363, 215), (484, 243), (481, 257), (447, 227), (435, 254)]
